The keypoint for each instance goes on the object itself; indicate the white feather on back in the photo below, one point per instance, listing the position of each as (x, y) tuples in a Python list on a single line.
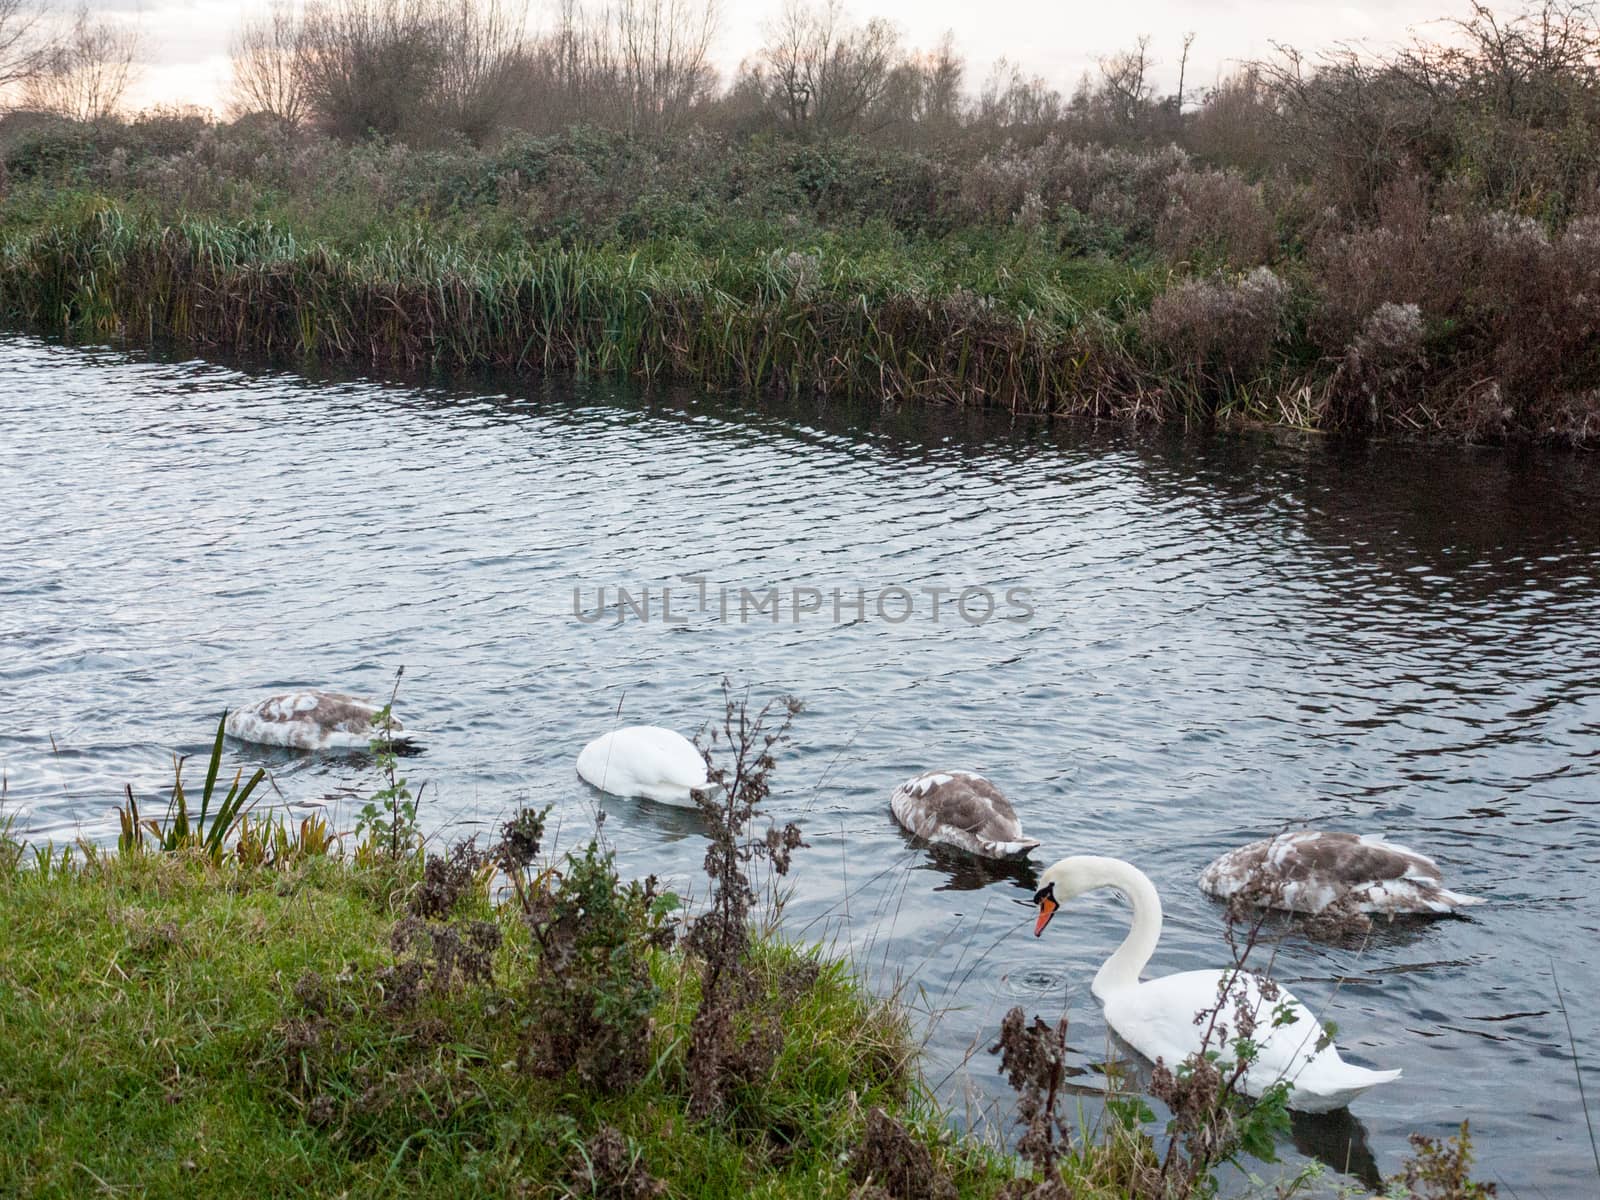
[(1156, 1018), (647, 761)]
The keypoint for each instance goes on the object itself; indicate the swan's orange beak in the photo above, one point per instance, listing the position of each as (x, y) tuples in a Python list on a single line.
[(1047, 909)]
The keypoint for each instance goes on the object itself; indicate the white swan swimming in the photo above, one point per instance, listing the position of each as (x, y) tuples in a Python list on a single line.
[(1157, 1016), (312, 720), (645, 760), (960, 809), (1306, 871)]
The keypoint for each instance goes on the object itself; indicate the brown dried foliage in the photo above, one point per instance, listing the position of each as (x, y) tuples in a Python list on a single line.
[(1485, 324), (448, 954), (446, 880), (889, 1159), (732, 1038), (1441, 1169), (1216, 217), (1217, 333), (609, 1168), (1033, 1060)]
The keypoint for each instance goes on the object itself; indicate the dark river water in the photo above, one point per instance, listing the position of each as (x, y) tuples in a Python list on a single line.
[(1226, 637)]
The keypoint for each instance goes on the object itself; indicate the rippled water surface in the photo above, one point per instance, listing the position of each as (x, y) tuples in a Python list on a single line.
[(1227, 636)]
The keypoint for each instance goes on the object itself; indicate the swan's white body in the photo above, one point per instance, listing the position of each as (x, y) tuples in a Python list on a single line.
[(960, 809), (645, 760), (312, 720), (1157, 1017), (1307, 871)]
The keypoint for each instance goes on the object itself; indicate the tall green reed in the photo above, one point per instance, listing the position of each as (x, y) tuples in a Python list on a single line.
[(208, 830)]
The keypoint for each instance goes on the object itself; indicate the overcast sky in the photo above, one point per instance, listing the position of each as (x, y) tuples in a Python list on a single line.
[(185, 42)]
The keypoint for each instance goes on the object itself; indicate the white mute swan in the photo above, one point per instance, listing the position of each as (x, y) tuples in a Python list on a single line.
[(1157, 1017), (960, 809), (1306, 871), (645, 760), (312, 720)]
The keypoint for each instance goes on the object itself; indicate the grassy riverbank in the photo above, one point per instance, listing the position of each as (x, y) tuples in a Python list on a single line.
[(226, 1003), (171, 1027), (1139, 285)]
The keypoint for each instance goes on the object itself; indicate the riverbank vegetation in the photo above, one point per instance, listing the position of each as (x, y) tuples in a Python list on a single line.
[(1400, 243)]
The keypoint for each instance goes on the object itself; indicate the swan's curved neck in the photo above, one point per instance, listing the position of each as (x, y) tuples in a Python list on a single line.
[(1122, 969)]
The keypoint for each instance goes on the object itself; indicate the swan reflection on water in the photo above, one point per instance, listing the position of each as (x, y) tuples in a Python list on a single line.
[(967, 873), (1339, 1141)]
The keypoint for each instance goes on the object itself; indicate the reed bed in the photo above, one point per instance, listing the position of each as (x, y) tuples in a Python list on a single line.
[(725, 321)]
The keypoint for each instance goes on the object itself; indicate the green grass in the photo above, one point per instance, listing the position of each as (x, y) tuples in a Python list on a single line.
[(145, 1009)]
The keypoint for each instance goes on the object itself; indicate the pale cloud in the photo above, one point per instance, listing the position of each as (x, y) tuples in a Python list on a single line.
[(185, 42)]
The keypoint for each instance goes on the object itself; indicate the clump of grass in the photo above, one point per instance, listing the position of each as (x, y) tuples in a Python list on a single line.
[(609, 1166), (12, 846), (230, 830), (177, 831), (274, 840)]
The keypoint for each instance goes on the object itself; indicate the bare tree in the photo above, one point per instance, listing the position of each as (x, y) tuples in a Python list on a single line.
[(85, 74), (1236, 123), (369, 66), (1507, 110), (824, 72), (854, 76), (481, 44), (23, 42), (266, 70), (584, 68), (568, 51), (1183, 67), (1530, 66), (641, 65), (1016, 102), (788, 58), (663, 48), (922, 99), (939, 102), (1125, 86)]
